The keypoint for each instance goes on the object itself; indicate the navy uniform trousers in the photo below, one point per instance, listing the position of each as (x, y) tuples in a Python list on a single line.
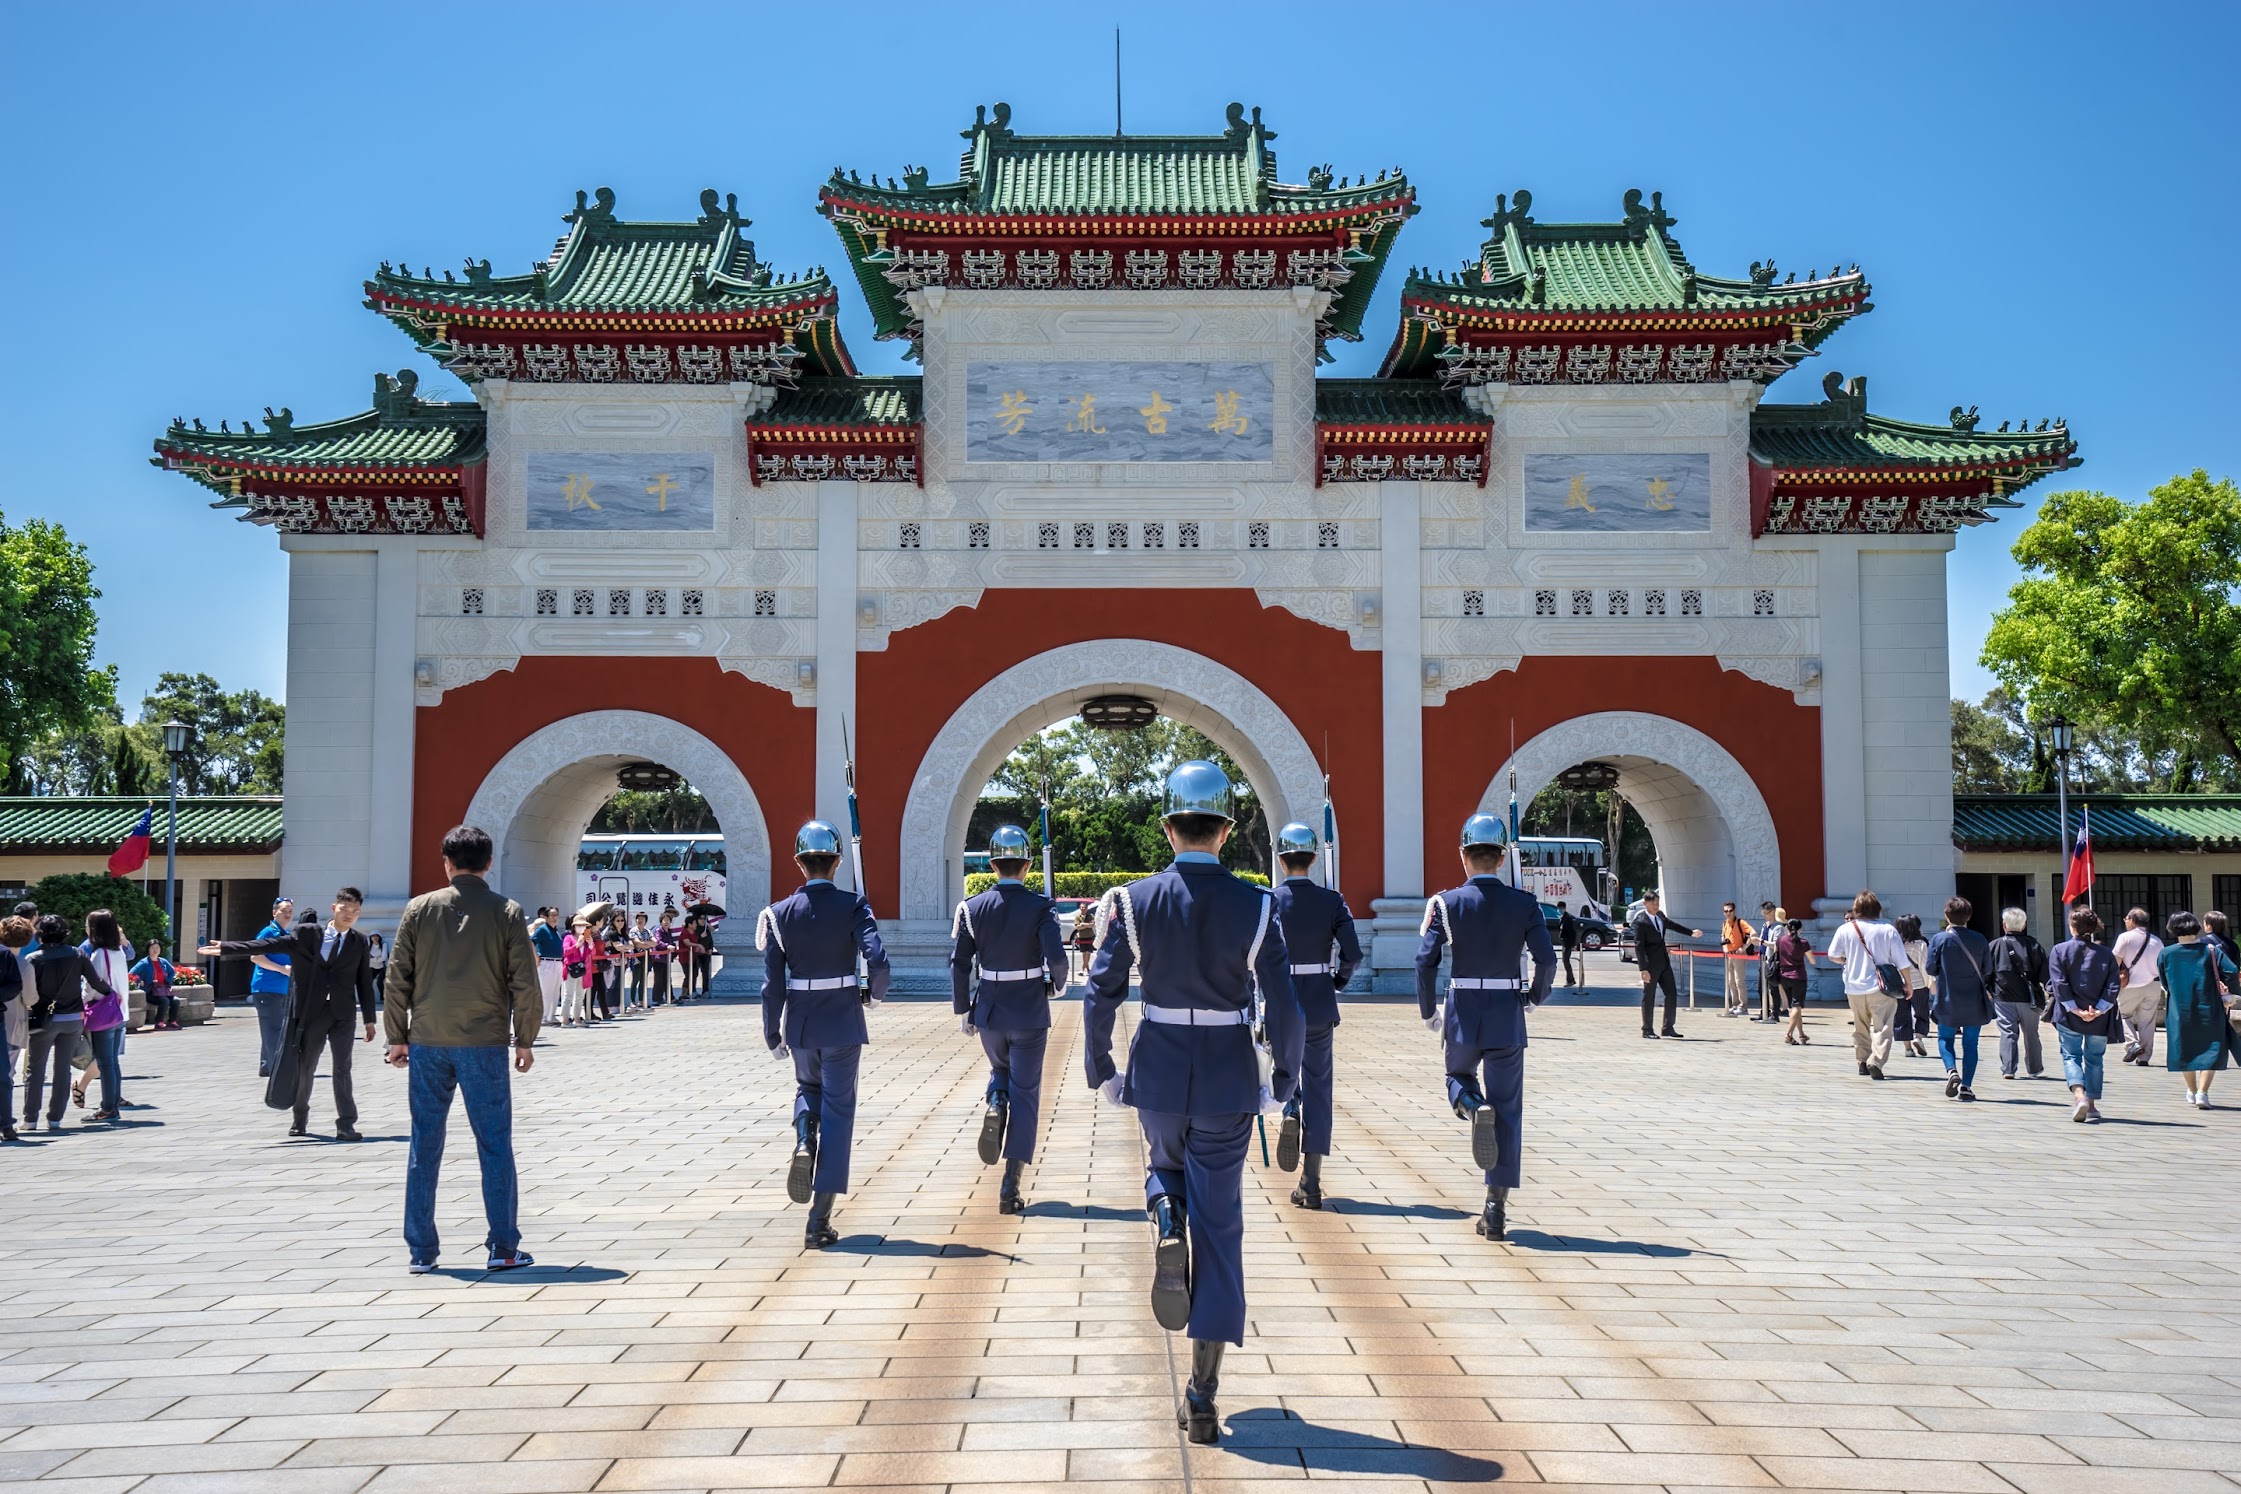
[(1200, 1159), (1498, 1074), (825, 1087), (1009, 929), (1492, 930), (1015, 1071), (810, 943)]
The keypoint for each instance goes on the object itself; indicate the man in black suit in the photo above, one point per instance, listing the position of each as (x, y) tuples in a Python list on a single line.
[(328, 975), (1656, 962)]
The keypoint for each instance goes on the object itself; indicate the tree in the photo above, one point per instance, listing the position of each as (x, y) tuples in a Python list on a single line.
[(238, 736), (1992, 754), (70, 896), (676, 811), (1105, 795), (2127, 621), (46, 638)]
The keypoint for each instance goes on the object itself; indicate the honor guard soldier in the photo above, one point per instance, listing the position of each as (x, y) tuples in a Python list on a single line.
[(1492, 928), (1314, 919), (813, 1009), (1012, 934), (1203, 941)]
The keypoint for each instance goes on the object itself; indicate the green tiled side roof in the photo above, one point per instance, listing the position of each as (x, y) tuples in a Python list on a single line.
[(1839, 433), (892, 401), (2121, 822), (68, 826), (1385, 402), (400, 431)]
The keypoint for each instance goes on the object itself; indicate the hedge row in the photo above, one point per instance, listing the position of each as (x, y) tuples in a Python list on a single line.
[(1081, 883)]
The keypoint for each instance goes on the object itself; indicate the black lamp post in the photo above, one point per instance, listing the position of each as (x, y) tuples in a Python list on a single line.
[(2062, 738), (178, 736)]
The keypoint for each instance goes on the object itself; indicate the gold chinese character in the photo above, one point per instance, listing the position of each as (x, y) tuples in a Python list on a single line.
[(1155, 414), (1013, 412), (1085, 416), (1226, 417), (1577, 497), (577, 491), (661, 488), (1659, 489)]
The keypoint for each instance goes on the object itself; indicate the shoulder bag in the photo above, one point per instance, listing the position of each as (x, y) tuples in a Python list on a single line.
[(1894, 986)]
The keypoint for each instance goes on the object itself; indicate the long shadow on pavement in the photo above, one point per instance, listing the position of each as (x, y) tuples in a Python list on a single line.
[(1533, 1239), (1283, 1440)]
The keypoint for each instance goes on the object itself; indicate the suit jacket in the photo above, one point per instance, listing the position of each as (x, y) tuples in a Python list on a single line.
[(1314, 919), (1006, 928), (1492, 928), (317, 988), (1205, 942), (815, 935)]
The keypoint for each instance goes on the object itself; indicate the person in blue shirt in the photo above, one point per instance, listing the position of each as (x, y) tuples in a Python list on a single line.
[(268, 987), (813, 1011), (1012, 936), (157, 976), (1492, 928), (1315, 920), (1205, 942)]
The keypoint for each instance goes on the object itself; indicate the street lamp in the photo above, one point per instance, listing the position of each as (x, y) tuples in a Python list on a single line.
[(178, 736), (2062, 738)]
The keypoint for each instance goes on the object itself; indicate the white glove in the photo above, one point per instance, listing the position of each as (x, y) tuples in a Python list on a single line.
[(1110, 1090), (1432, 1023), (965, 1024), (781, 1053), (1269, 1104)]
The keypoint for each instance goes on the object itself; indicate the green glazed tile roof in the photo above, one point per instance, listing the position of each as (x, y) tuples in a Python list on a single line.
[(1386, 402), (400, 431), (1839, 433), (2121, 822), (60, 826), (604, 265), (845, 402)]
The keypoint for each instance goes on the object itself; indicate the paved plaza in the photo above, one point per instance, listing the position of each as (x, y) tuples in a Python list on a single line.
[(1735, 1265)]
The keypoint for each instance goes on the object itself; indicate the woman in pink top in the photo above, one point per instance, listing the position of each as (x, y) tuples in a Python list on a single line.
[(579, 966)]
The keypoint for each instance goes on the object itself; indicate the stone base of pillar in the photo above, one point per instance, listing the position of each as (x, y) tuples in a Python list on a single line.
[(1396, 927)]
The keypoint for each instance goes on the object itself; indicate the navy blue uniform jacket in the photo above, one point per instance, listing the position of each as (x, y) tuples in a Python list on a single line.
[(1491, 928), (816, 934), (1314, 918), (1006, 928), (1203, 939)]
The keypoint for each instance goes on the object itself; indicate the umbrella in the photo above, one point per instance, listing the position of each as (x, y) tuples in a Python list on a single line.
[(704, 910), (598, 912)]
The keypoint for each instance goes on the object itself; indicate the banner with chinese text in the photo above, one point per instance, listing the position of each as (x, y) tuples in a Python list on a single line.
[(1120, 412), (1612, 493), (621, 490)]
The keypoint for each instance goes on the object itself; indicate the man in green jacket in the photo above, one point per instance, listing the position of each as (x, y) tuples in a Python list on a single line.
[(462, 986)]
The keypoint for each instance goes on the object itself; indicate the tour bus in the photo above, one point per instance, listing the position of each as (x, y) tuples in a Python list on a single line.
[(1563, 868), (647, 873)]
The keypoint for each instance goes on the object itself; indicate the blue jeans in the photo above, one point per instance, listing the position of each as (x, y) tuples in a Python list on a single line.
[(479, 1075), (108, 1060), (2082, 1053), (1967, 1063)]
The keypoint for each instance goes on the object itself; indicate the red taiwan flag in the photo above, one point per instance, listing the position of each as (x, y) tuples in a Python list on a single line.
[(2077, 887), (133, 854)]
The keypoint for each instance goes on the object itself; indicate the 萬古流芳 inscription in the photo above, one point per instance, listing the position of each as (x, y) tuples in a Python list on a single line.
[(1120, 412), (1616, 493), (619, 491)]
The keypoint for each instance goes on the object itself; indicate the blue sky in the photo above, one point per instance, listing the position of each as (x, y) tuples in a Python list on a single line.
[(2044, 197)]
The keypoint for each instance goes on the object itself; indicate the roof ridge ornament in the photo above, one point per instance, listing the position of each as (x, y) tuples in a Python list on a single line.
[(283, 425), (1654, 216), (598, 213), (1762, 275), (712, 217), (1506, 215), (395, 394), (997, 128), (1963, 420)]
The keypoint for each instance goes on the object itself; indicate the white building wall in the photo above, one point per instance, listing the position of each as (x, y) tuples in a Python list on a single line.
[(1907, 727), (328, 756)]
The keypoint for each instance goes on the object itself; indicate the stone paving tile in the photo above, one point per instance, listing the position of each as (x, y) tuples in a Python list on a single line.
[(1699, 1293)]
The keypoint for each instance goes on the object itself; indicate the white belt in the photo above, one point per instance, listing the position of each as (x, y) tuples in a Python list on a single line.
[(1191, 1016), (1476, 983), (822, 983), (1032, 973), (1311, 970)]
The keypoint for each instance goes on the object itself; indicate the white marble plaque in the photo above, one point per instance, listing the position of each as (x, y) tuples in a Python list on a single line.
[(621, 491), (1618, 492), (1120, 412)]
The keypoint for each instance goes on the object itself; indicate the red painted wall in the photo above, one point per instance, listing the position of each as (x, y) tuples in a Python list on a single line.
[(1778, 742), (906, 693), (460, 740)]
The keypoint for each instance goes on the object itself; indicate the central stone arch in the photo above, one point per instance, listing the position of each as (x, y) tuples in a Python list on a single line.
[(537, 800), (1715, 836), (1050, 687)]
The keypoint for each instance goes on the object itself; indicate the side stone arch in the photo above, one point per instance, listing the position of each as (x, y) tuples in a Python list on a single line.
[(537, 800), (1715, 835), (1187, 687)]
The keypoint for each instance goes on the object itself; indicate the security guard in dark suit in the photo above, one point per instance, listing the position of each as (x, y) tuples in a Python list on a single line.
[(1492, 928), (1314, 919), (813, 1009), (1012, 935), (1204, 941)]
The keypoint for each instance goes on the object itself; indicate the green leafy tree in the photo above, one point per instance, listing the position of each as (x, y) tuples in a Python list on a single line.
[(46, 639), (1992, 753), (70, 896), (1105, 795), (2127, 621), (677, 811), (238, 735)]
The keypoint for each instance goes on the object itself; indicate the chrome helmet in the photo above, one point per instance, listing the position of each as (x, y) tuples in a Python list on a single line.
[(1485, 831), (1295, 839), (1007, 843), (1198, 787), (816, 839)]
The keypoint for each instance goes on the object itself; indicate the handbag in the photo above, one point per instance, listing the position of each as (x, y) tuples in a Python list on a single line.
[(1894, 985)]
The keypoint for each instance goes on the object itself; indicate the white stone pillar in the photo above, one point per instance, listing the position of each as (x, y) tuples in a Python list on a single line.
[(390, 769), (1401, 632), (1843, 722), (836, 661)]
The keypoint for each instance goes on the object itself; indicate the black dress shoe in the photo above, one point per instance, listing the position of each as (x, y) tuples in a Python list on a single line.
[(992, 1130), (296, 1128), (1307, 1198), (1493, 1223), (1670, 1032), (348, 1133), (1287, 1140), (1649, 1034), (820, 1232), (1171, 1266), (1008, 1199), (1485, 1144), (803, 1168), (1201, 1422)]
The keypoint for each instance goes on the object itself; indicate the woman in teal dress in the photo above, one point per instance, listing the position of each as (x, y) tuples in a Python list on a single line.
[(2200, 979)]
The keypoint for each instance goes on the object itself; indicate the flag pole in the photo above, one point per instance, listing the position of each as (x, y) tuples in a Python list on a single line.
[(1517, 859)]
